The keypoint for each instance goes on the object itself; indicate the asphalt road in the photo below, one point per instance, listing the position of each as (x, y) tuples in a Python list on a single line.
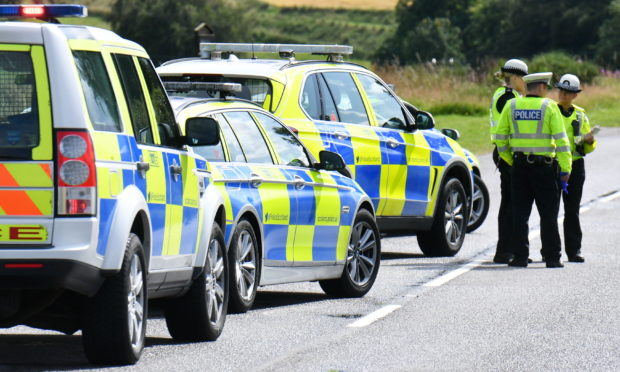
[(459, 313)]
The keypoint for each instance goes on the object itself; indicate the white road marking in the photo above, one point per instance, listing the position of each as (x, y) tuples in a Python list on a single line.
[(443, 279), (610, 197), (374, 316)]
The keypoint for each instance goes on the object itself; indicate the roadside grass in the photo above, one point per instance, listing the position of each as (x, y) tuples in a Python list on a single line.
[(338, 4)]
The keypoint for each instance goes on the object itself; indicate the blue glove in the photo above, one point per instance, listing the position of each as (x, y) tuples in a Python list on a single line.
[(563, 183)]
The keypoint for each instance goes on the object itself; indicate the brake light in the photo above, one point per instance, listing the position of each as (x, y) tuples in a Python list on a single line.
[(24, 266), (77, 180)]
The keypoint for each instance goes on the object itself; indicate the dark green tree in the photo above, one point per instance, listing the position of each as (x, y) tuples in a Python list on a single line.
[(608, 46), (165, 28)]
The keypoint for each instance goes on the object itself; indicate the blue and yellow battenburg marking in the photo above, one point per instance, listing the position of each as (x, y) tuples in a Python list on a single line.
[(172, 200), (298, 224)]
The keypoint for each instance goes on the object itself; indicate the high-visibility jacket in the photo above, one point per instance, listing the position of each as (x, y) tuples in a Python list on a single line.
[(576, 133), (494, 112), (533, 125)]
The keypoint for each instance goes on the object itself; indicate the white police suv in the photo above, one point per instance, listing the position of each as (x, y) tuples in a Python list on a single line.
[(102, 207)]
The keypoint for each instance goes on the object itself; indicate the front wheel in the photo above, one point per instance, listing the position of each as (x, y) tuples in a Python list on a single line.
[(362, 261), (448, 230), (199, 315), (243, 256), (480, 204), (115, 318)]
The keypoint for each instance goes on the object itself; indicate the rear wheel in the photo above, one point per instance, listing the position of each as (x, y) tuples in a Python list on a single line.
[(448, 230), (115, 318), (362, 261), (480, 205), (245, 267), (199, 315)]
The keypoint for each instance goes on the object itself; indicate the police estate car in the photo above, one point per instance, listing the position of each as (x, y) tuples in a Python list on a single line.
[(289, 218), (101, 205), (419, 181)]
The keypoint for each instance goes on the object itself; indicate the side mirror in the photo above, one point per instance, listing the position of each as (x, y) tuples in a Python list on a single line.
[(331, 161), (424, 120), (202, 132), (452, 133)]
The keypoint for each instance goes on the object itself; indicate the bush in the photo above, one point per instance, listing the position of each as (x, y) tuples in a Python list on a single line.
[(459, 108), (561, 63)]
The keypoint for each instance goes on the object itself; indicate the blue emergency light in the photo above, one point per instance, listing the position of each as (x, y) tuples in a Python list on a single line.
[(45, 12)]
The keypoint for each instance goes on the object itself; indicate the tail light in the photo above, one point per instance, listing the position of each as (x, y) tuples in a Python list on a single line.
[(77, 180)]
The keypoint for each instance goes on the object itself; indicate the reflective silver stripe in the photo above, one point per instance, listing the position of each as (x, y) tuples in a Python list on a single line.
[(501, 136), (493, 123), (537, 136), (543, 108), (559, 135), (579, 119), (513, 107), (502, 148), (562, 149), (549, 149)]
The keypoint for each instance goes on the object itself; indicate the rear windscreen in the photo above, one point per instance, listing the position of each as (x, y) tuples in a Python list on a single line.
[(19, 117), (255, 90)]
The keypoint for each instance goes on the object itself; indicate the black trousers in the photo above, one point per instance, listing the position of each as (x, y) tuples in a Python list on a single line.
[(536, 183), (504, 216), (572, 200)]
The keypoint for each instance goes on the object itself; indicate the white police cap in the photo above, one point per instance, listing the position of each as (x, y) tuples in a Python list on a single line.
[(539, 77), (569, 83), (515, 66)]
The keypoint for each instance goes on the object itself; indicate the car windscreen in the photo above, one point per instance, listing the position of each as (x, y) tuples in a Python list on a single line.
[(253, 89), (19, 117)]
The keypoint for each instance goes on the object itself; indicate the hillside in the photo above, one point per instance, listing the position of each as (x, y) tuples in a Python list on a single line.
[(337, 4)]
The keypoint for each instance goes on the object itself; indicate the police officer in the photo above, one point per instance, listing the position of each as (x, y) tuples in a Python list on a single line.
[(531, 137), (581, 142), (513, 86)]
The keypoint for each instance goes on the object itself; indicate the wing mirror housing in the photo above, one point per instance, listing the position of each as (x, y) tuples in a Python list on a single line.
[(452, 133), (330, 161), (424, 120), (202, 131)]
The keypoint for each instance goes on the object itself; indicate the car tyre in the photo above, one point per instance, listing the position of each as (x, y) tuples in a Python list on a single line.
[(199, 314), (480, 204), (446, 235), (362, 260), (244, 260), (114, 319)]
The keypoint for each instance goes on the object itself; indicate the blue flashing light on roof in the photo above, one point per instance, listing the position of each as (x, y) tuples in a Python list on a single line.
[(44, 12)]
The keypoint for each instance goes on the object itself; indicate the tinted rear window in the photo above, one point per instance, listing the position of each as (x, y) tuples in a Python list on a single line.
[(19, 117), (255, 90)]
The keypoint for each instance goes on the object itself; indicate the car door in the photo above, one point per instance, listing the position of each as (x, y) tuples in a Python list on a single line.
[(350, 133), (316, 214), (407, 154)]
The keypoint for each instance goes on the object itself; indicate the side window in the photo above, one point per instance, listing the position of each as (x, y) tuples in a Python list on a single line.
[(232, 143), (252, 141), (328, 107), (310, 100), (100, 100), (166, 123), (212, 152), (134, 97), (289, 149), (347, 98), (388, 111)]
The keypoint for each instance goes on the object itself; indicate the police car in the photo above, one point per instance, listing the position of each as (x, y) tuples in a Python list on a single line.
[(102, 207), (480, 197), (289, 218), (419, 181)]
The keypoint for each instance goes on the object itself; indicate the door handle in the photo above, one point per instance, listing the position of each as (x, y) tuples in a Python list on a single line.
[(143, 166), (176, 169), (341, 135), (255, 180), (393, 143), (299, 183)]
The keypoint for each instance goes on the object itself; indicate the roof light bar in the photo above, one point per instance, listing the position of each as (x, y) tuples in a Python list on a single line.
[(209, 50), (186, 86), (43, 11)]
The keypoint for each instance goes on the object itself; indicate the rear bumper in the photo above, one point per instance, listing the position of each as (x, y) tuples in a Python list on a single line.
[(50, 274)]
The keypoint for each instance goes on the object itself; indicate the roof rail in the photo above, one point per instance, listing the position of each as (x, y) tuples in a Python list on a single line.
[(334, 52)]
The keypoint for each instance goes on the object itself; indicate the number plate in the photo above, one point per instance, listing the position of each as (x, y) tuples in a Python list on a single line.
[(22, 233)]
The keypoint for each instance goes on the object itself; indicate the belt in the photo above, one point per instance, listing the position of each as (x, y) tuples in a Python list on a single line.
[(533, 159)]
